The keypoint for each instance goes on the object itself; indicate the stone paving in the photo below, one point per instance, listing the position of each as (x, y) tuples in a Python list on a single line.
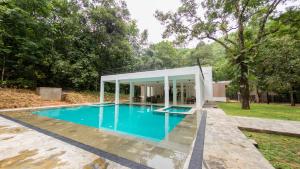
[(227, 147), (268, 125), (22, 147)]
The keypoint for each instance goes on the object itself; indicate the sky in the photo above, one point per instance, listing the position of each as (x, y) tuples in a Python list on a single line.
[(143, 11)]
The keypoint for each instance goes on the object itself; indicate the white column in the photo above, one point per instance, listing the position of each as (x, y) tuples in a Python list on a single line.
[(167, 102), (102, 91), (174, 92), (187, 90), (131, 92), (145, 93), (148, 91), (181, 91), (117, 92), (197, 91)]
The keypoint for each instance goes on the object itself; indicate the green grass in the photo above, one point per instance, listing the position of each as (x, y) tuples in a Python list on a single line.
[(272, 111), (283, 152)]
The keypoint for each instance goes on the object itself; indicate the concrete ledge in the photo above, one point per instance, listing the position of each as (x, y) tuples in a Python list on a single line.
[(50, 93), (43, 107), (269, 131), (272, 126)]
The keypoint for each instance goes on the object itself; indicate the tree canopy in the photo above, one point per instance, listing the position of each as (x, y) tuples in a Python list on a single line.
[(247, 18), (71, 43), (63, 43)]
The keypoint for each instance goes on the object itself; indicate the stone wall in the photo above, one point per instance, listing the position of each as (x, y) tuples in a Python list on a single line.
[(50, 93)]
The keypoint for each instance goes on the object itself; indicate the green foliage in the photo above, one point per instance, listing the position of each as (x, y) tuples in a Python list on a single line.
[(63, 43), (71, 43), (246, 18), (278, 61)]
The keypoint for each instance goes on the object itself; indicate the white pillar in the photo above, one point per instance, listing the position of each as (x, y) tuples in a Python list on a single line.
[(167, 102), (102, 91), (174, 92), (117, 92), (181, 91), (131, 92), (197, 91), (148, 91), (145, 93), (187, 90)]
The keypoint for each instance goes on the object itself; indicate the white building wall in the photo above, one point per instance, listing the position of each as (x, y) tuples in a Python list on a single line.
[(208, 83)]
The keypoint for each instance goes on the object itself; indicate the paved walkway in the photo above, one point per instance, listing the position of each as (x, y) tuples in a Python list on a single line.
[(227, 147), (268, 125), (22, 147)]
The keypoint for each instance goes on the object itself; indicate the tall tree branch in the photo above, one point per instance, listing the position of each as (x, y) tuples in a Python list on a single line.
[(264, 20), (218, 41)]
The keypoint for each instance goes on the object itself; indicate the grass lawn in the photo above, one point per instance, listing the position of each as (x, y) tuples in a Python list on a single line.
[(272, 111), (282, 151)]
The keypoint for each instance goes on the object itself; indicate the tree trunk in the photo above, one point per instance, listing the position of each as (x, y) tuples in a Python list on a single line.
[(3, 69), (258, 96), (244, 83), (268, 100), (292, 97), (244, 87)]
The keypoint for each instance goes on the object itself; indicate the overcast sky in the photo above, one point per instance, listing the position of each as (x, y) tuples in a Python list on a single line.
[(143, 11)]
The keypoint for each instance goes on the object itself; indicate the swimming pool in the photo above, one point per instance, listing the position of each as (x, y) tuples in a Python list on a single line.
[(134, 120)]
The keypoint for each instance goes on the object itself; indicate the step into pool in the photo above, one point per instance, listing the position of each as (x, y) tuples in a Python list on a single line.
[(134, 120)]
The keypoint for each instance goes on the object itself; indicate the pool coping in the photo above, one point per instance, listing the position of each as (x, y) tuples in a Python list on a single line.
[(45, 107), (162, 110), (38, 128)]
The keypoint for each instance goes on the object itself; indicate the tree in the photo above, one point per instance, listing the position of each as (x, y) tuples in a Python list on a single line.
[(278, 63), (64, 43), (161, 55), (203, 52), (221, 18)]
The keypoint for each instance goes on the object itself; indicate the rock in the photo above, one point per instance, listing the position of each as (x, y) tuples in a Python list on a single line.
[(254, 142)]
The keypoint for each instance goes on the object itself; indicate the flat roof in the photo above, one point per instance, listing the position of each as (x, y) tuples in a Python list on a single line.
[(156, 75)]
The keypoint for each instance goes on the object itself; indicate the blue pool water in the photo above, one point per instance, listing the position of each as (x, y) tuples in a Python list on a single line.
[(135, 120), (175, 109)]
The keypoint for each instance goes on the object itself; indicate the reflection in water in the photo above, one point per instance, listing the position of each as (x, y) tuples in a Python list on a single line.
[(100, 116), (166, 126), (116, 116)]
